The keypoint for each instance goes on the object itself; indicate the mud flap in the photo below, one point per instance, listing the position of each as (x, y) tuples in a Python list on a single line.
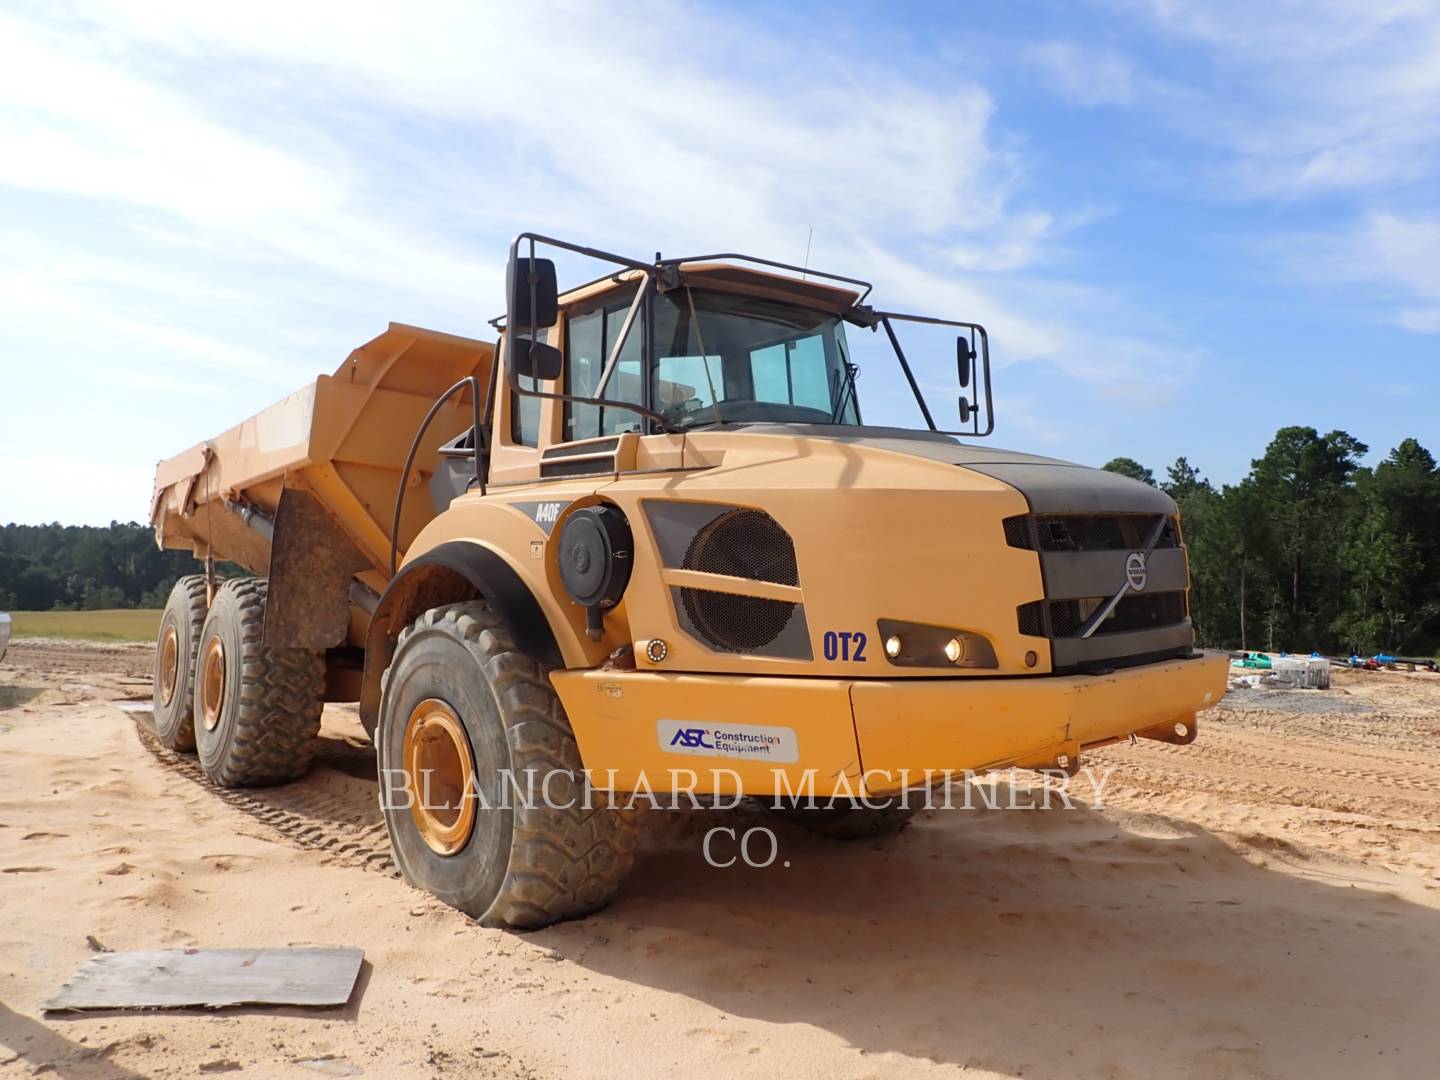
[(311, 566)]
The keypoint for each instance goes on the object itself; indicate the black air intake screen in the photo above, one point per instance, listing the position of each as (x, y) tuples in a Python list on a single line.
[(748, 544), (731, 623), (734, 542), (744, 543)]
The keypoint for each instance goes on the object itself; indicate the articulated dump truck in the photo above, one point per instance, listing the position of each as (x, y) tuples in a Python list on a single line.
[(647, 543)]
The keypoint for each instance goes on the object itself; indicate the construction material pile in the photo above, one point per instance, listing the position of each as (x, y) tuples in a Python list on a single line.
[(1280, 671)]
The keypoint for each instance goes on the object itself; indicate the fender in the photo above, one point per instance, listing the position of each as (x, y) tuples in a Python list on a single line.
[(453, 572)]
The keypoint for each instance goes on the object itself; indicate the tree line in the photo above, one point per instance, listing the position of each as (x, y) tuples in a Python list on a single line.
[(64, 567), (1312, 550)]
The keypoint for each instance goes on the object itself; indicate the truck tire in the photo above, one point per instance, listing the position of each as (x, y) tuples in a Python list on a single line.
[(257, 710), (462, 710), (848, 822), (175, 649)]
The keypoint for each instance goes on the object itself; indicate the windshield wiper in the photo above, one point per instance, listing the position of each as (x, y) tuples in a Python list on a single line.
[(847, 391)]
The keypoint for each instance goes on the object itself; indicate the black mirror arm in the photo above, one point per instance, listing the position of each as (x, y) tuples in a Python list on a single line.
[(909, 375), (884, 317), (985, 367), (579, 249), (512, 378)]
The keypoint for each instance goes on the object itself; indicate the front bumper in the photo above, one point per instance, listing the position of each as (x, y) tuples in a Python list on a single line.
[(641, 730)]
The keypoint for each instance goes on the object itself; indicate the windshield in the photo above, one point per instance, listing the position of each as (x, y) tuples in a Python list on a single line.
[(728, 358)]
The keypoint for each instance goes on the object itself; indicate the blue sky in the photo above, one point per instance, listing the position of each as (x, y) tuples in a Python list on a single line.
[(1185, 225)]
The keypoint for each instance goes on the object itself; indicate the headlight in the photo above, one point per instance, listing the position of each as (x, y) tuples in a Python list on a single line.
[(921, 645)]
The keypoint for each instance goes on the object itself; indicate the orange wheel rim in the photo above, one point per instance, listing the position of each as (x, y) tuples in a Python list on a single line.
[(212, 682), (439, 776), (169, 664)]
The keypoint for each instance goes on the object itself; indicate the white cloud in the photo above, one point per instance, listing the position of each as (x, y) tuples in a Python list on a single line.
[(1406, 250), (1396, 255), (1311, 96), (1334, 104), (1083, 73)]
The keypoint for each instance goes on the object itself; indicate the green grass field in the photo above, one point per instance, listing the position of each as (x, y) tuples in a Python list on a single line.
[(119, 625)]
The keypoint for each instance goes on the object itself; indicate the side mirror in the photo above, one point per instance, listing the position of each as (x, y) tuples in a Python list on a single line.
[(965, 409), (533, 359), (963, 355), (534, 299)]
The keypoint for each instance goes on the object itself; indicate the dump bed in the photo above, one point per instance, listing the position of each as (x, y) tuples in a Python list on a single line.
[(316, 473)]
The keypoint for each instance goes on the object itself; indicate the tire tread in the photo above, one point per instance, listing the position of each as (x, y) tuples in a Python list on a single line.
[(188, 596), (564, 864), (282, 693)]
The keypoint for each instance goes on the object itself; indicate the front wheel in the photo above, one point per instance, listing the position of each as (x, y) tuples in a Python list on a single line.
[(478, 770)]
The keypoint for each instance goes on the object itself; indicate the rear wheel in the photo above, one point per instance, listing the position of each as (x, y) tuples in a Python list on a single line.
[(175, 649), (478, 767), (257, 710)]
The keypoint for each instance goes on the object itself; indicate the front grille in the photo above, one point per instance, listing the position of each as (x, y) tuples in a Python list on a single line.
[(1032, 618), (1086, 532), (1017, 531), (1135, 611)]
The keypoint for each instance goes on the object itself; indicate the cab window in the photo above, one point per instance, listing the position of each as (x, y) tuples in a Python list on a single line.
[(794, 372), (525, 410), (525, 414), (589, 337), (730, 358)]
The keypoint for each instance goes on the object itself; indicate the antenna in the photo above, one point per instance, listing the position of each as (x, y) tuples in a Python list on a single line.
[(806, 266)]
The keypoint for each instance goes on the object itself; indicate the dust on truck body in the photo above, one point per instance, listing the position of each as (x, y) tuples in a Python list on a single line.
[(649, 539)]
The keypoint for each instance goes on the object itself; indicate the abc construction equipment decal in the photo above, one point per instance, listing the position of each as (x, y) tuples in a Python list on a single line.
[(729, 740)]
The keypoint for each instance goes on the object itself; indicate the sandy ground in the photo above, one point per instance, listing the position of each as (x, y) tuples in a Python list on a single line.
[(1263, 903)]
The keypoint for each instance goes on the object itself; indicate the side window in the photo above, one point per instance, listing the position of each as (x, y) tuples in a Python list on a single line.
[(588, 341), (525, 411), (525, 415)]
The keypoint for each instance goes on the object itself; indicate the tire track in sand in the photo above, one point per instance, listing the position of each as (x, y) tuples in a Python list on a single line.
[(346, 825)]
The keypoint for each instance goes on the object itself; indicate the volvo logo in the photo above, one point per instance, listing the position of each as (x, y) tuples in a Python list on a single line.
[(1135, 570)]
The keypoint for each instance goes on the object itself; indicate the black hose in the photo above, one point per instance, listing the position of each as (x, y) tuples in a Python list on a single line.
[(474, 385)]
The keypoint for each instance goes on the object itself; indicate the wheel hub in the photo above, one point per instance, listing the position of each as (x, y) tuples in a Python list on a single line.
[(212, 682), (169, 664), (439, 776)]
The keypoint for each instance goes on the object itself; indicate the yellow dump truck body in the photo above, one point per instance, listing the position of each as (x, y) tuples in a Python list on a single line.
[(341, 440)]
